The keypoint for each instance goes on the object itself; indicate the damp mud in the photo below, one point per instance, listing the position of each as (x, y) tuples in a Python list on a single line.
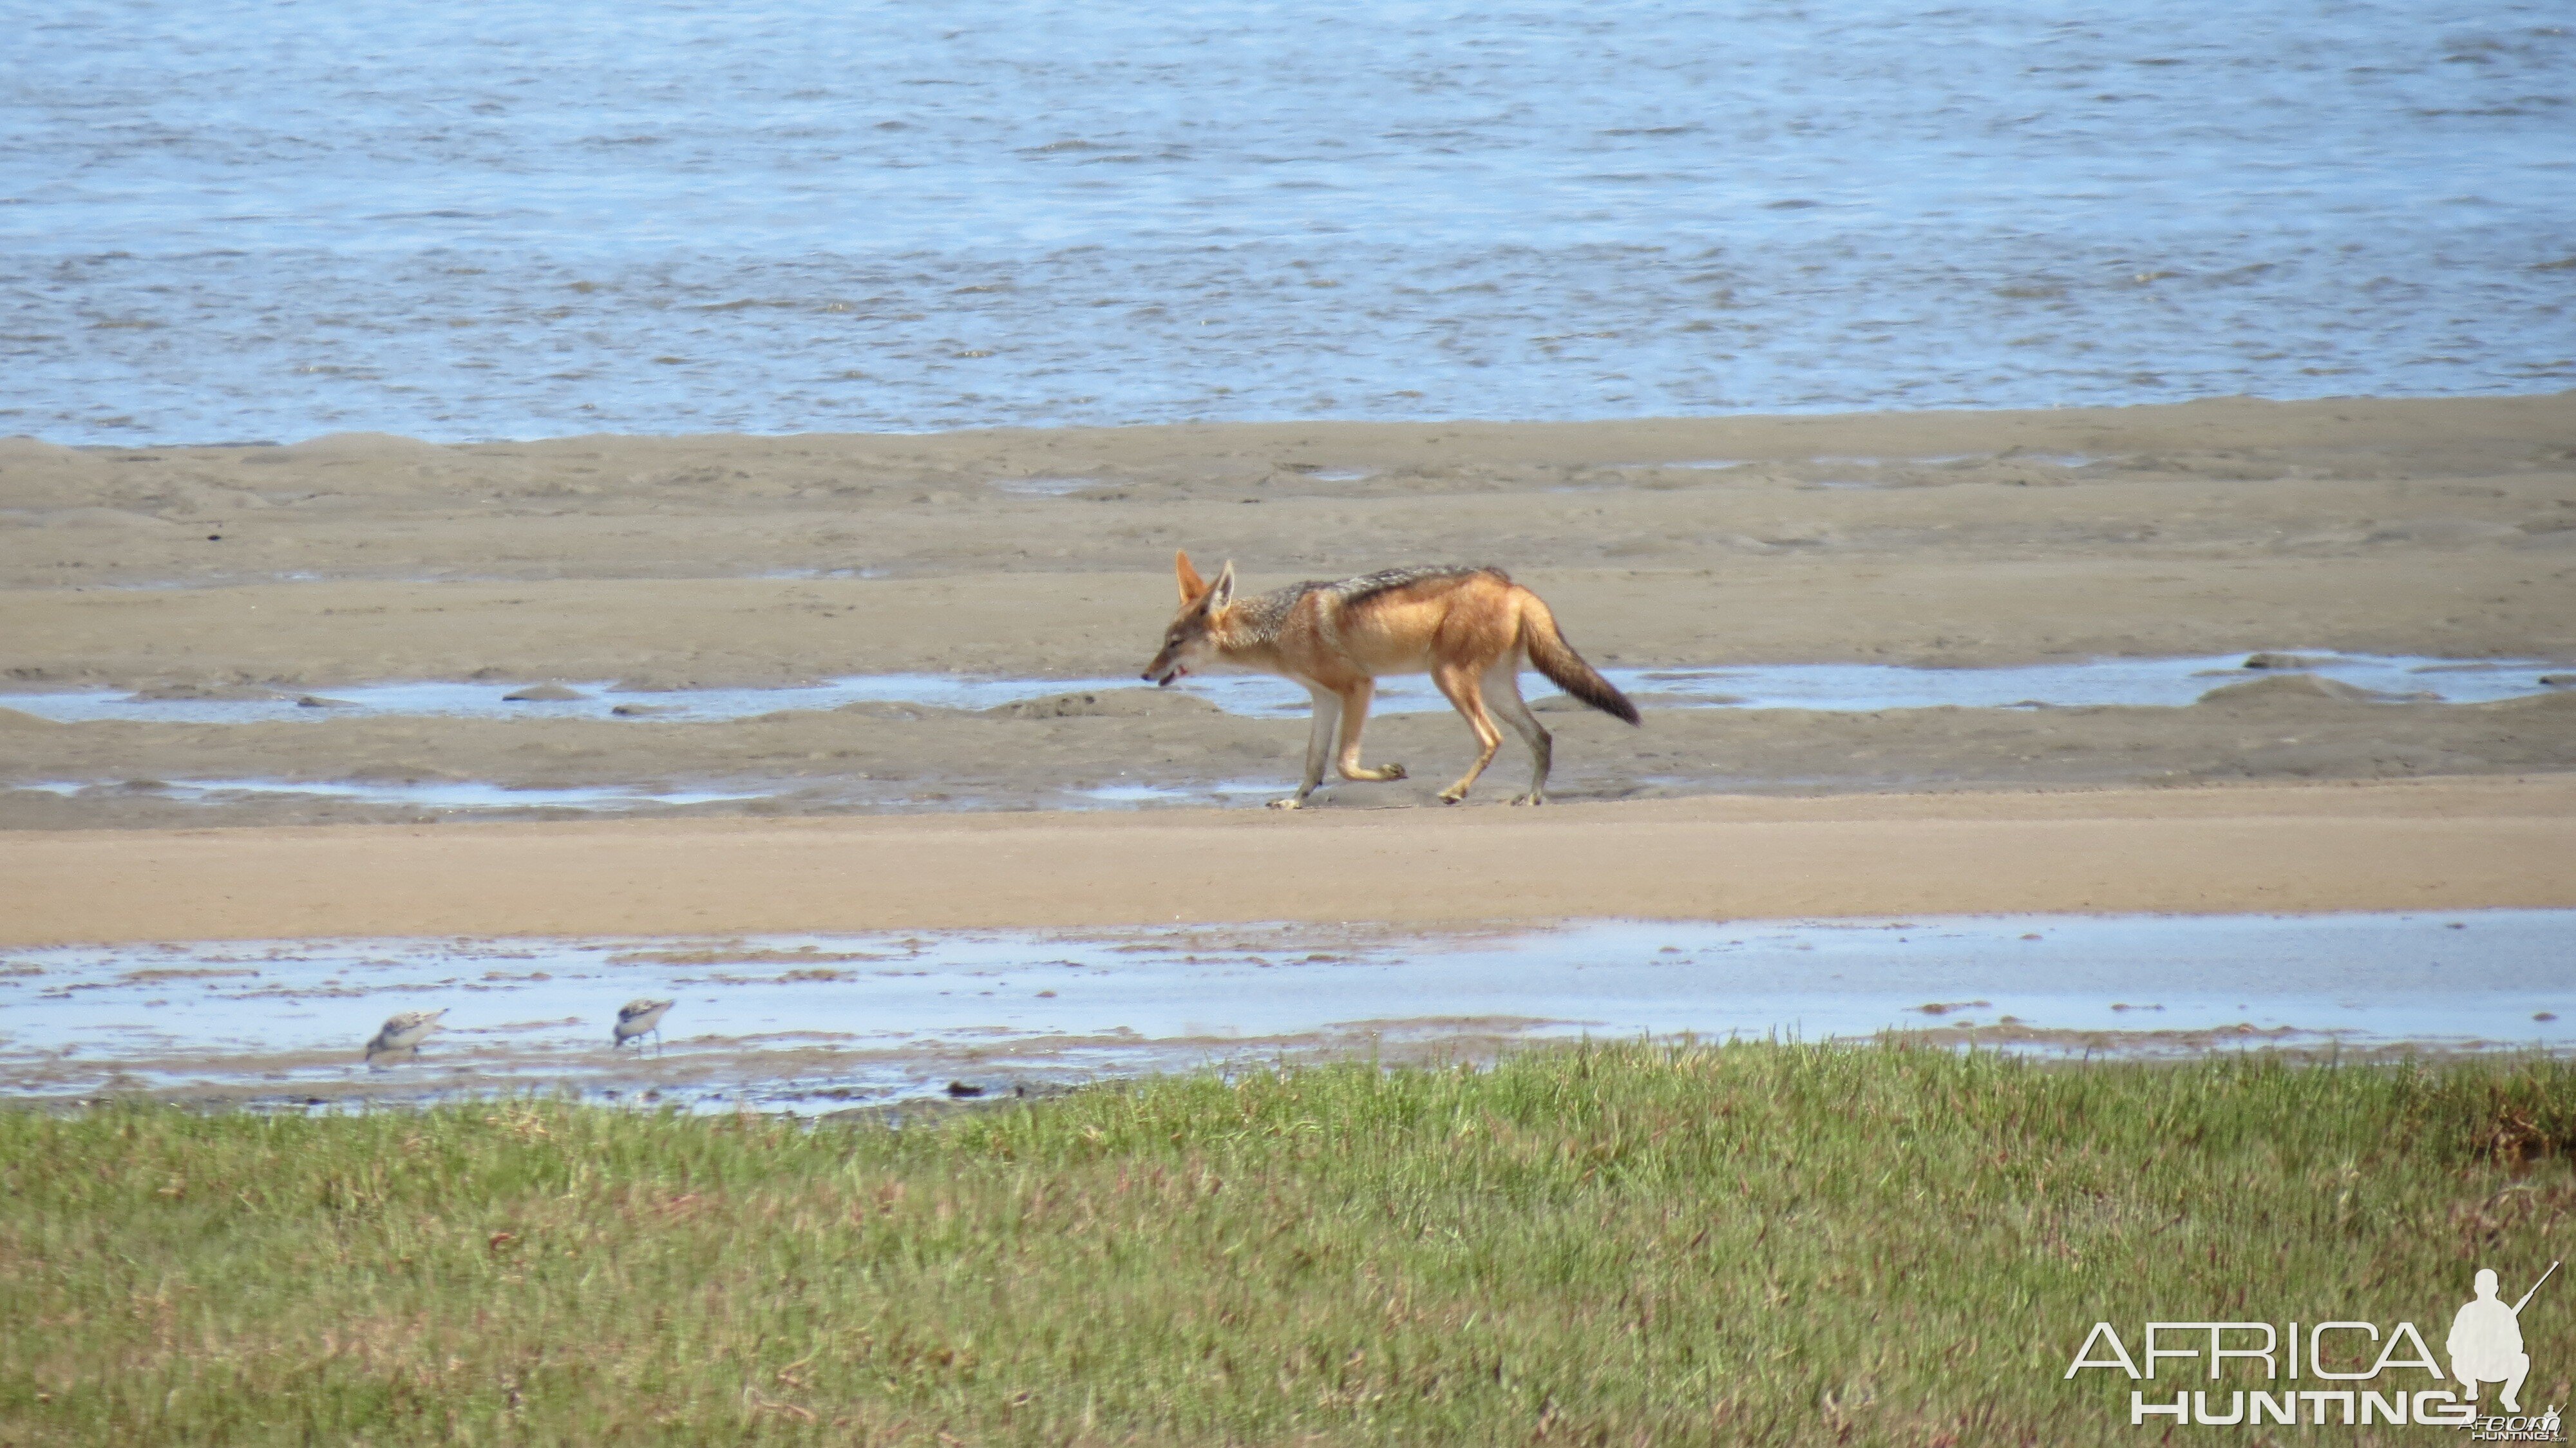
[(938, 742), (1134, 748), (779, 676), (825, 1022)]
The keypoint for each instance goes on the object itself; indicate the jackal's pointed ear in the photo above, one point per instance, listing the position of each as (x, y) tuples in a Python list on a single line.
[(1223, 593), (1191, 584)]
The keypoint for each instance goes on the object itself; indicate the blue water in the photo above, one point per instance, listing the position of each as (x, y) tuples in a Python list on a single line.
[(443, 794), (896, 1014), (2140, 682), (223, 220)]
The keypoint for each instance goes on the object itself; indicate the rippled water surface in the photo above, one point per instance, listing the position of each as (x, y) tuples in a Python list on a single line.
[(224, 221)]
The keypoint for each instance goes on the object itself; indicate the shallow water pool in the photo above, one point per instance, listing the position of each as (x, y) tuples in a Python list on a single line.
[(804, 1021), (2152, 682)]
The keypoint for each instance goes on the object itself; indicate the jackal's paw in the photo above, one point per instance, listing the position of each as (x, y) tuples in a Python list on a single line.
[(1452, 795), (1533, 797), (1291, 802), (1391, 771)]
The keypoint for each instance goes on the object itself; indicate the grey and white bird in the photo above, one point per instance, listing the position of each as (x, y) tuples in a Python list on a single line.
[(638, 1017), (404, 1031)]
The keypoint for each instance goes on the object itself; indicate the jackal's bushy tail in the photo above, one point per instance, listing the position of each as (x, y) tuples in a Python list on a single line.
[(1551, 655)]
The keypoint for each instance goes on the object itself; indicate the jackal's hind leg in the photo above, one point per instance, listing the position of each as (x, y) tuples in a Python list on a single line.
[(1466, 692), (1319, 747), (1503, 694), (1355, 707)]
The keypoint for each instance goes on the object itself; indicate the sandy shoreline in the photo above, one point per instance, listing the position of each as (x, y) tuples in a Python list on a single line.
[(2443, 528), (2424, 526), (2449, 845)]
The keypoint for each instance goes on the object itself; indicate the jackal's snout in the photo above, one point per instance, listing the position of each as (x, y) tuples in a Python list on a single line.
[(1173, 660), (1201, 602)]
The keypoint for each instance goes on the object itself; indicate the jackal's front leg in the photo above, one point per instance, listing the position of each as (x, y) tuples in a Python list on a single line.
[(1319, 748), (1355, 707)]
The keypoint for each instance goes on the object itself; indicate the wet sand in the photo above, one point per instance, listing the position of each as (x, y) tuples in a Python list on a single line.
[(1142, 748), (2428, 845), (2444, 528), (2422, 526), (2435, 527)]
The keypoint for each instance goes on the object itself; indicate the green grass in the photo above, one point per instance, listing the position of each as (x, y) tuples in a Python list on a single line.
[(1604, 1245)]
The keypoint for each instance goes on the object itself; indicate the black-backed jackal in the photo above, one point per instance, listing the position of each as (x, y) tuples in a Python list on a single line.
[(1468, 628)]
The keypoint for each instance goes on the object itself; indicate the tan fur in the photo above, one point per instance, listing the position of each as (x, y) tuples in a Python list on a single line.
[(1470, 629)]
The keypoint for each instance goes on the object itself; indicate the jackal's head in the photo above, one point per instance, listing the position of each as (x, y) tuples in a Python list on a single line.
[(1191, 640)]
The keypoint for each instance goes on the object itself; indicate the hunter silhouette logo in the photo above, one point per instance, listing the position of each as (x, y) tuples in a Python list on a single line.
[(2361, 1376), (2486, 1341)]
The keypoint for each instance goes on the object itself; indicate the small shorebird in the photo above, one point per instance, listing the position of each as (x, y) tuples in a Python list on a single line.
[(637, 1017), (404, 1031)]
